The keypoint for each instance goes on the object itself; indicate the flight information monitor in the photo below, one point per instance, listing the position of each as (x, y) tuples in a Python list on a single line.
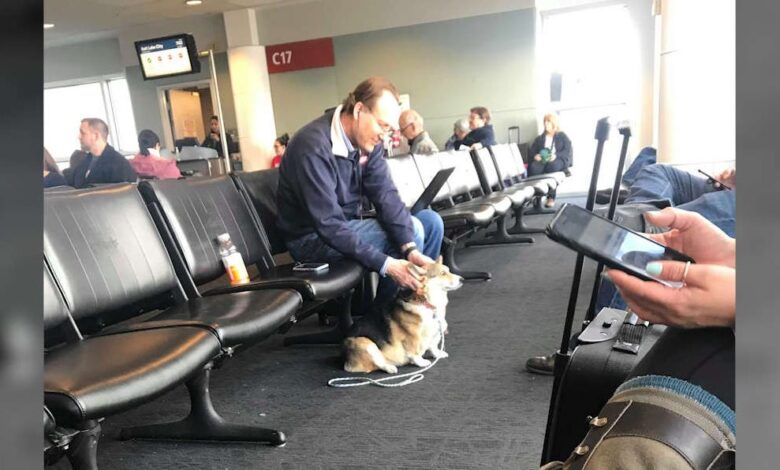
[(168, 56)]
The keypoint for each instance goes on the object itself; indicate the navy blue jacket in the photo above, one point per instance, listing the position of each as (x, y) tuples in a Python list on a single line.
[(562, 145), (111, 167), (319, 191), (483, 135)]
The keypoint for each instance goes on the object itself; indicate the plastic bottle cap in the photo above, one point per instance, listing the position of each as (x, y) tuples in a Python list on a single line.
[(223, 237)]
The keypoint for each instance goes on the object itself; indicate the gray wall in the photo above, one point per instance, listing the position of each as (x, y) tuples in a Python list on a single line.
[(445, 67), (82, 61)]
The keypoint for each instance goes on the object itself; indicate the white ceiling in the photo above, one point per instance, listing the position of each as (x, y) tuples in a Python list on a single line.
[(84, 20)]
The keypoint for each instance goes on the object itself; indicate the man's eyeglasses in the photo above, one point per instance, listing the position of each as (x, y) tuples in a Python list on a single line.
[(387, 129)]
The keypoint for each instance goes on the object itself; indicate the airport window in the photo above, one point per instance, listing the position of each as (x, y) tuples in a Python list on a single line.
[(65, 107)]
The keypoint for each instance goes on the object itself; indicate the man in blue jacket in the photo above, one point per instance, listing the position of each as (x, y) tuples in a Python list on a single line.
[(329, 166)]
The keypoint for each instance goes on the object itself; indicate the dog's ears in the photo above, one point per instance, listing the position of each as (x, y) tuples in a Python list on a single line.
[(440, 260)]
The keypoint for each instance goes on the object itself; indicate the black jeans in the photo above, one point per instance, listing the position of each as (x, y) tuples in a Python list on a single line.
[(539, 168), (701, 356)]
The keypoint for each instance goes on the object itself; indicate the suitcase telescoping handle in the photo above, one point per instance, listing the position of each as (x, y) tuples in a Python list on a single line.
[(562, 355), (625, 131)]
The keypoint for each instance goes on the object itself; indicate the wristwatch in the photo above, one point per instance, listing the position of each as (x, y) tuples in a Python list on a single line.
[(408, 248)]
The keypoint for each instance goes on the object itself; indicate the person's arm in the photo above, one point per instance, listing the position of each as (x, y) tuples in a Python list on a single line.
[(315, 181), (563, 148), (488, 136), (381, 191), (536, 147)]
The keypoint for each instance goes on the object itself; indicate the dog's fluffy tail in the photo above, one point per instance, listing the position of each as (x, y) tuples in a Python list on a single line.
[(359, 357)]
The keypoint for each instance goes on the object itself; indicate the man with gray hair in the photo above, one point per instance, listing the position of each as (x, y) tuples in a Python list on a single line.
[(459, 131), (102, 164), (411, 125)]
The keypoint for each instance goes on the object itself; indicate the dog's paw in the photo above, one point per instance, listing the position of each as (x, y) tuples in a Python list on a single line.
[(437, 354), (390, 369), (420, 362)]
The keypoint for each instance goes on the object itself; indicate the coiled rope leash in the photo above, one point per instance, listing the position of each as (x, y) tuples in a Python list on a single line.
[(388, 382)]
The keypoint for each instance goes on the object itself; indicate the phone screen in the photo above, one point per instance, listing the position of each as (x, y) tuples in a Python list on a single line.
[(601, 237)]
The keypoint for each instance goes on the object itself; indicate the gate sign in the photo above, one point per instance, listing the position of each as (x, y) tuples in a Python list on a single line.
[(299, 55)]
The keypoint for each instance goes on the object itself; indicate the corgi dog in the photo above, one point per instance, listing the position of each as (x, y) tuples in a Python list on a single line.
[(403, 331)]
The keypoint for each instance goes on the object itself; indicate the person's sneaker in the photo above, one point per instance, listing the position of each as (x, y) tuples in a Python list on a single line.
[(544, 365)]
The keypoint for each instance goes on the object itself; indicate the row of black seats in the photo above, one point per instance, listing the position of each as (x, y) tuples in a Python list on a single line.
[(136, 302), (485, 187)]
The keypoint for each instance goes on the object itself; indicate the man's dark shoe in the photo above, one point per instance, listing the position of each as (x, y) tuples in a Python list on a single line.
[(544, 365)]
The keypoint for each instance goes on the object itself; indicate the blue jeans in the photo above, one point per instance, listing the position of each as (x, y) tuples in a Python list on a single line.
[(428, 234), (685, 191), (647, 156)]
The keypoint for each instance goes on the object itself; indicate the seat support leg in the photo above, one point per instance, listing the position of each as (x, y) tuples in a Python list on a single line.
[(449, 259), (82, 451), (520, 227), (203, 423), (499, 237), (333, 336)]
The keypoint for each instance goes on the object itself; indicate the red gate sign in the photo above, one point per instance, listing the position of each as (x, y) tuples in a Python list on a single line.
[(299, 55)]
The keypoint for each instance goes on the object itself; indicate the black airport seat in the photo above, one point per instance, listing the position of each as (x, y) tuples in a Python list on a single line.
[(520, 195), (111, 267), (511, 174), (552, 179), (460, 220), (192, 213), (85, 380)]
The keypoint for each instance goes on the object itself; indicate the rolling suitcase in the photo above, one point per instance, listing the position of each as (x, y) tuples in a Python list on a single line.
[(607, 350)]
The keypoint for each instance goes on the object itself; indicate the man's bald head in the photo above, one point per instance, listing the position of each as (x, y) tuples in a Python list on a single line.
[(411, 124)]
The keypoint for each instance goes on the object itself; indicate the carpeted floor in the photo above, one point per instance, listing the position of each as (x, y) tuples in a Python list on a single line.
[(478, 409)]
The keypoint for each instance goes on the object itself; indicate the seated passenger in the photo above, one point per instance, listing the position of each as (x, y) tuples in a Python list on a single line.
[(148, 162), (551, 151), (459, 130), (656, 186), (103, 164), (51, 172), (411, 124), (280, 145), (330, 164), (481, 130), (699, 345)]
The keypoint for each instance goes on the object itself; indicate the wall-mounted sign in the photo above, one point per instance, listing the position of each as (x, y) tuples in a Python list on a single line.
[(299, 55)]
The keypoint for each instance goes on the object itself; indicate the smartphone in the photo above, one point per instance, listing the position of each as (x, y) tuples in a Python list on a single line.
[(711, 178), (610, 243), (310, 267)]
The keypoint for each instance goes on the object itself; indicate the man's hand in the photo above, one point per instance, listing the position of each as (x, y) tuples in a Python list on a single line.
[(537, 158), (419, 259), (552, 158), (215, 136), (728, 177), (694, 236), (708, 297), (404, 273)]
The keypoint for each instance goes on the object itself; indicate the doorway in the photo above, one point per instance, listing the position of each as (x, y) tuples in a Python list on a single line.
[(186, 110)]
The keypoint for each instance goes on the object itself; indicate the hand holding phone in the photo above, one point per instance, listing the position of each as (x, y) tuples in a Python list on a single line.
[(719, 185), (609, 243)]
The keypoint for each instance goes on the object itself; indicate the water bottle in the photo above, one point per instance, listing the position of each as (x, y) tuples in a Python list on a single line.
[(232, 260)]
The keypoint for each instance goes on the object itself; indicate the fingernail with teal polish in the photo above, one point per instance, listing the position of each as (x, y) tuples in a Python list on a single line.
[(654, 268)]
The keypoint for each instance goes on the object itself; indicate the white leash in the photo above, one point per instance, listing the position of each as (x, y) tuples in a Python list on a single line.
[(387, 382)]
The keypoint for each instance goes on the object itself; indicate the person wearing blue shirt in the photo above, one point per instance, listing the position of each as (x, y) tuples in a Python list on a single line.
[(330, 166), (481, 130)]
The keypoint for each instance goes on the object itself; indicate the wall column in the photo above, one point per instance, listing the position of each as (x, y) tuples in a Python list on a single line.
[(696, 119), (251, 90)]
